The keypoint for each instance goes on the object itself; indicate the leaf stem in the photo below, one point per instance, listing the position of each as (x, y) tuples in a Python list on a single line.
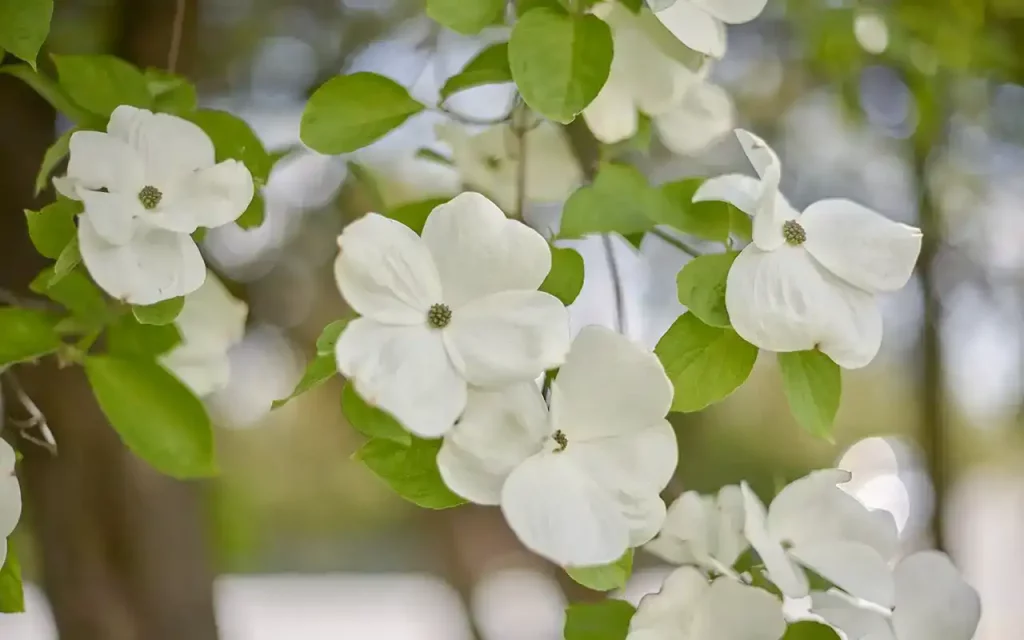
[(520, 129), (675, 242)]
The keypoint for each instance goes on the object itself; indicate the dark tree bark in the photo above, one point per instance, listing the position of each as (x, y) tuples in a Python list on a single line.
[(122, 549)]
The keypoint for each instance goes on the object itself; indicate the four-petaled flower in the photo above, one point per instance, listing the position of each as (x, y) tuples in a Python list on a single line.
[(457, 307), (146, 184), (699, 23), (578, 483), (10, 497), (706, 531), (690, 608), (211, 322), (688, 112), (814, 523), (931, 602), (809, 280)]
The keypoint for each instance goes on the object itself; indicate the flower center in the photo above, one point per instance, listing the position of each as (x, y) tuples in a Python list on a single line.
[(560, 440), (439, 316), (150, 197), (793, 232)]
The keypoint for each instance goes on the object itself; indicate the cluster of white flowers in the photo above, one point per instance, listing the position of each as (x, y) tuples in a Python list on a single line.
[(146, 184), (812, 524), (688, 112), (452, 339), (10, 497), (808, 280)]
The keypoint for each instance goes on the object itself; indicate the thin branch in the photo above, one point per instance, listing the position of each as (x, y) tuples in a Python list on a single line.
[(176, 29), (613, 270), (36, 419), (464, 119), (520, 129), (675, 242)]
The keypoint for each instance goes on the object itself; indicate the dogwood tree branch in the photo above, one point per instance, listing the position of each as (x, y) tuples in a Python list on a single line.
[(176, 29)]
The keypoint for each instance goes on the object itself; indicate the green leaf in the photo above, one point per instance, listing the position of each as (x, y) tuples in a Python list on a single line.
[(701, 285), (465, 17), (605, 577), (319, 370), (349, 112), (53, 156), (12, 593), (620, 201), (53, 227), (414, 214), (101, 83), (53, 93), (410, 470), (367, 184), (24, 25), (810, 630), (708, 220), (171, 93), (371, 421), (559, 61), (130, 338), (69, 258), (254, 214), (606, 620), (565, 280), (26, 334), (705, 364), (155, 415), (490, 66), (632, 5), (329, 337), (234, 139), (77, 293), (813, 386), (522, 6), (163, 312)]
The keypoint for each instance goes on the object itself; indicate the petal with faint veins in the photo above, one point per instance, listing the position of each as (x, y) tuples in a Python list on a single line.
[(704, 116), (785, 573), (170, 147), (734, 611), (100, 161), (732, 11), (933, 601), (853, 567), (210, 198), (111, 214), (694, 27)]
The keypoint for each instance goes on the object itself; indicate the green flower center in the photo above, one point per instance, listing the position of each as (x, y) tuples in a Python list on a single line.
[(150, 197), (793, 233), (439, 316), (560, 440)]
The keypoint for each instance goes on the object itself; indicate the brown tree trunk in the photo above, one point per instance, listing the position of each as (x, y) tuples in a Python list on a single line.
[(123, 549)]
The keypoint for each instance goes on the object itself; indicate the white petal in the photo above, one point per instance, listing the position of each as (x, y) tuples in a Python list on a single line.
[(856, 622), (703, 117), (694, 27), (730, 542), (742, 192), (508, 337), (405, 371), (733, 11), (786, 575), (686, 536), (111, 214), (155, 265), (734, 611), (612, 116), (608, 385), (478, 251), (769, 218), (853, 567), (783, 300), (484, 161), (210, 197), (813, 509), (559, 513), (860, 245), (10, 492), (669, 613), (932, 601), (552, 171), (170, 147), (385, 272), (97, 160), (497, 432)]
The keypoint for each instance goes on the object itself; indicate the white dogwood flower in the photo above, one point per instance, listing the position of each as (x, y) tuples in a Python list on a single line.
[(814, 523), (690, 608), (688, 113), (146, 184), (10, 497), (932, 602), (488, 161), (700, 24), (706, 531), (808, 280), (578, 484), (211, 322), (458, 306)]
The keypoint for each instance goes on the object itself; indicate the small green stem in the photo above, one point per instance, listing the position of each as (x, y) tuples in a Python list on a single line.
[(675, 242)]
